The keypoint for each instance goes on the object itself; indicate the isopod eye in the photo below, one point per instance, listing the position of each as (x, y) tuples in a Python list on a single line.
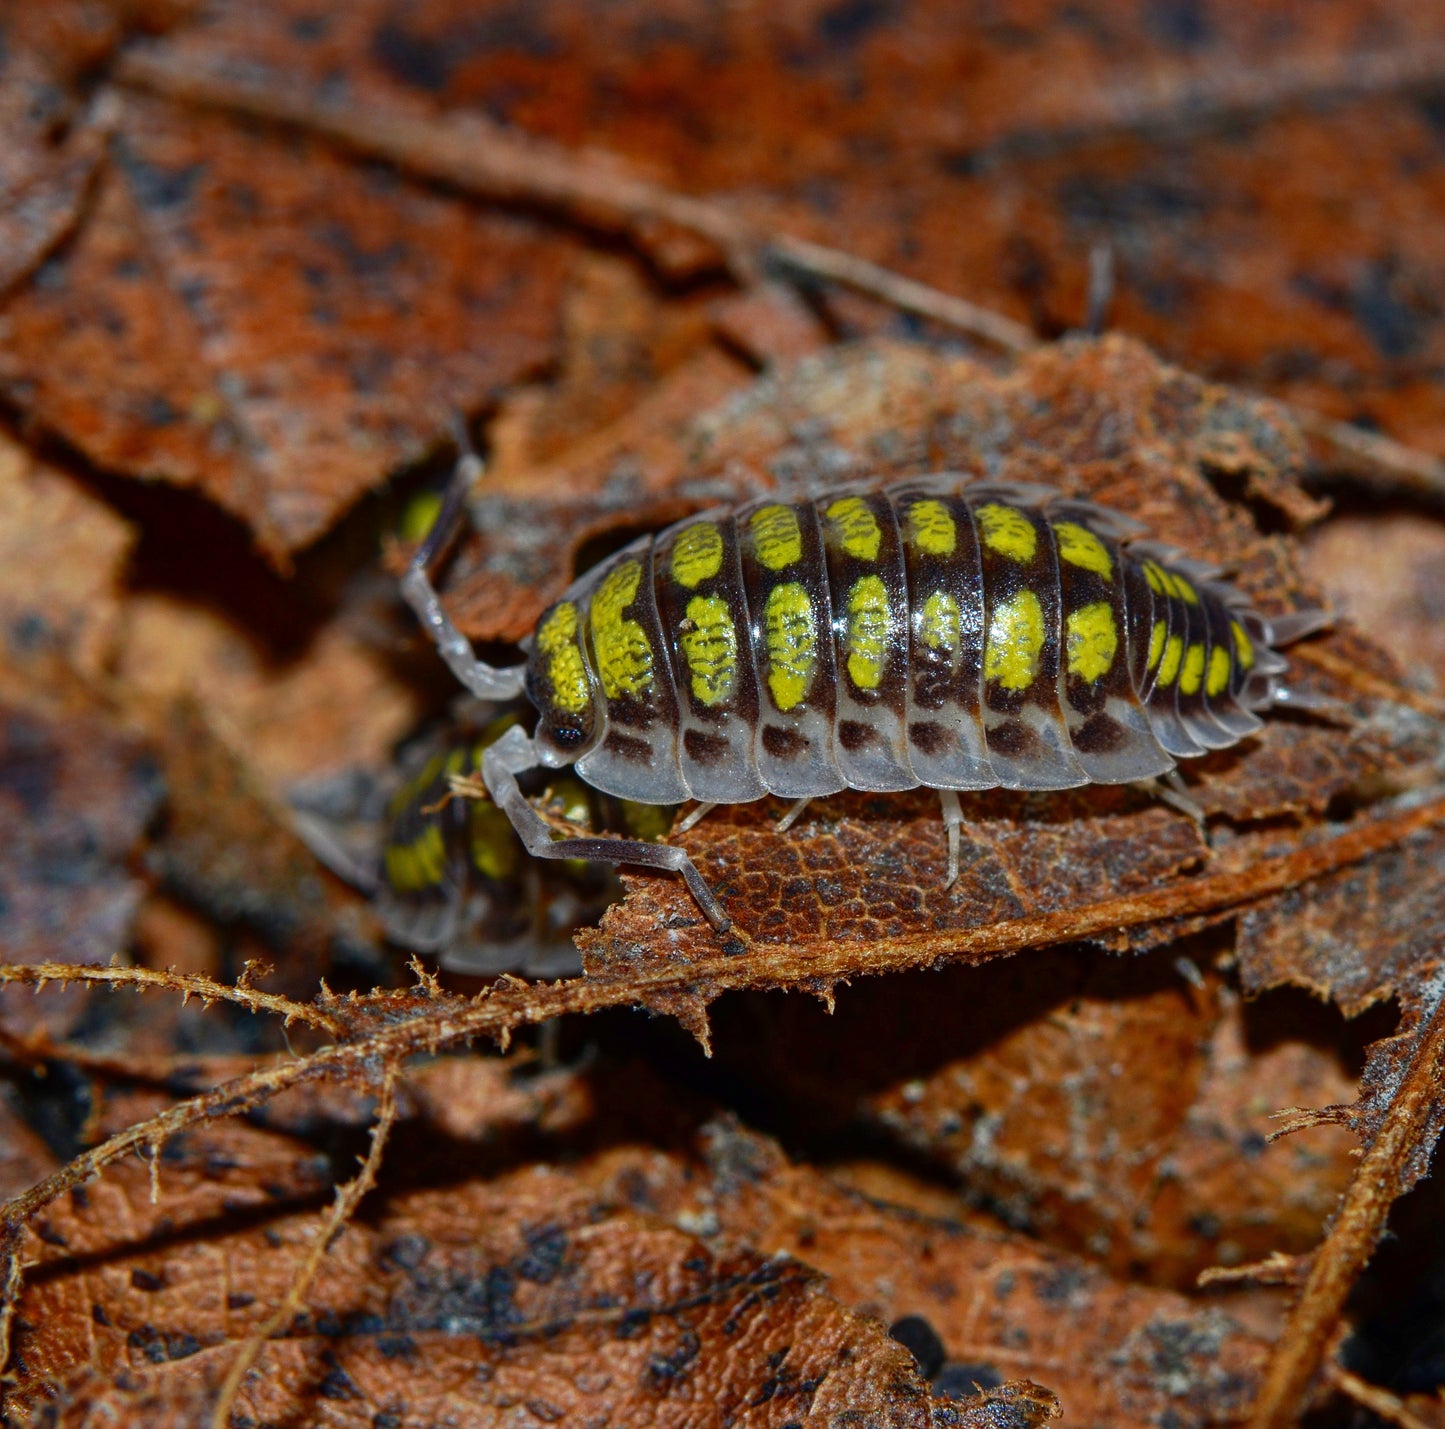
[(566, 736)]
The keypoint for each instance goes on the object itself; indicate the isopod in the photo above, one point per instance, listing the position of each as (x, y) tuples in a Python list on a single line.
[(935, 630)]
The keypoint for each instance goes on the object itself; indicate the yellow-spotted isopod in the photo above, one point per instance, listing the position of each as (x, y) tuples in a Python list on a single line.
[(936, 630)]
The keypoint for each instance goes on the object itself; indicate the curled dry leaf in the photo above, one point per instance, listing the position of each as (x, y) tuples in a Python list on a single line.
[(1200, 148), (630, 1281), (227, 848), (63, 554), (76, 793), (52, 151)]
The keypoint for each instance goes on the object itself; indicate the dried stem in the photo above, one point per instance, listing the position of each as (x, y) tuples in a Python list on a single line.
[(1413, 472), (813, 260), (1390, 1407), (348, 1197), (187, 984), (467, 152), (36, 1048), (1354, 1234)]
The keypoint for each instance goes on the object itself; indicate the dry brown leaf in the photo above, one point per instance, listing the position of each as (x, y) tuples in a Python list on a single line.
[(536, 1288), (1036, 1084), (77, 791), (283, 345)]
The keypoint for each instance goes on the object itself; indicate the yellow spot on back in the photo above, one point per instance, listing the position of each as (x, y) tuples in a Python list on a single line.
[(1173, 653), (709, 644), (1158, 580), (420, 515), (495, 850), (1218, 672), (1008, 532), (557, 640), (857, 527), (1156, 643), (1242, 644), (791, 636), (1015, 637), (1183, 589), (429, 855), (1091, 640), (942, 625), (1193, 676), (400, 872), (1081, 547), (624, 656), (931, 526), (867, 632), (697, 554), (776, 537)]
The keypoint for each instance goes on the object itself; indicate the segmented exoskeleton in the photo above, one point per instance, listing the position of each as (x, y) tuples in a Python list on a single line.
[(452, 877), (937, 630)]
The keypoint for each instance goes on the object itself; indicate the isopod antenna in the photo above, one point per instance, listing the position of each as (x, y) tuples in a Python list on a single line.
[(485, 681)]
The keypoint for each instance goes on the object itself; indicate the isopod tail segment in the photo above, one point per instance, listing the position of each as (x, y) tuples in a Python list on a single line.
[(515, 753)]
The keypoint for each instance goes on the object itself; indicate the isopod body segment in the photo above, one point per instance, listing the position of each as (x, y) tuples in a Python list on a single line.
[(927, 632)]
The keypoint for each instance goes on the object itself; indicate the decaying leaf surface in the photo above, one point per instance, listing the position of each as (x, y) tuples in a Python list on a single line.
[(567, 1292), (1386, 570), (283, 345), (1035, 1083), (76, 793), (228, 848), (1200, 146), (509, 1286), (63, 554), (49, 158), (207, 276)]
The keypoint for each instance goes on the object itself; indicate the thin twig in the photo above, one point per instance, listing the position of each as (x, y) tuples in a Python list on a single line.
[(1389, 1407), (1354, 1234), (348, 1197), (37, 1048), (187, 984), (798, 257), (1412, 471), (467, 152)]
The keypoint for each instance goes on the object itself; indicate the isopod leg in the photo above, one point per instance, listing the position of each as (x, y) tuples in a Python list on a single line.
[(952, 822), (483, 680), (793, 815), (512, 755), (1171, 789), (694, 816)]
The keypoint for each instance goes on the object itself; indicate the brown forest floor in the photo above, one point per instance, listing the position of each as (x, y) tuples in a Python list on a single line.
[(1116, 1126)]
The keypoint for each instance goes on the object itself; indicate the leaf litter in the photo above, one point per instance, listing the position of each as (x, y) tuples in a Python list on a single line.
[(1025, 885), (1346, 802)]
